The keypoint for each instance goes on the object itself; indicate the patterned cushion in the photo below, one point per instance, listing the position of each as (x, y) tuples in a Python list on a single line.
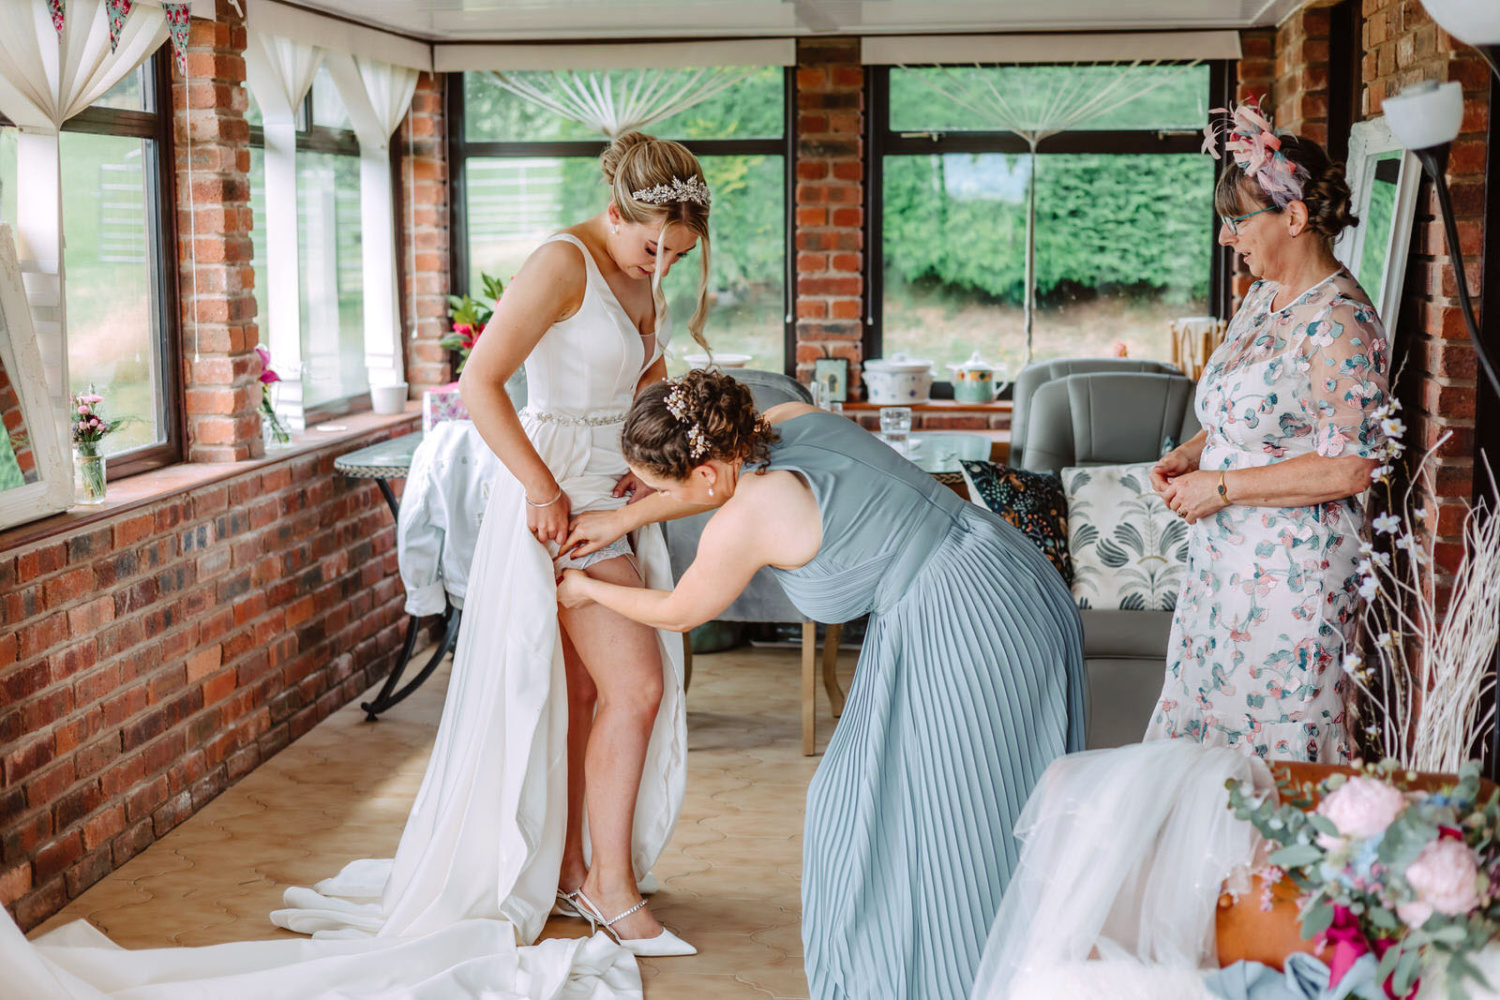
[(1129, 551), (1032, 501)]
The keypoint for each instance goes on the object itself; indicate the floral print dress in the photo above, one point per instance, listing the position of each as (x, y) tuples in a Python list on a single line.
[(1269, 601)]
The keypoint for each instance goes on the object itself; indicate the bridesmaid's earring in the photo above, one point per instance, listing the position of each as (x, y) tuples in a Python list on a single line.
[(615, 229), (710, 491)]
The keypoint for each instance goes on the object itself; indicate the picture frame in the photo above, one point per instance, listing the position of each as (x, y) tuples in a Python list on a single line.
[(39, 471), (1383, 178), (833, 373)]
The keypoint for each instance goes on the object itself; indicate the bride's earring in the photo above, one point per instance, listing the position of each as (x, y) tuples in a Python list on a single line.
[(615, 229)]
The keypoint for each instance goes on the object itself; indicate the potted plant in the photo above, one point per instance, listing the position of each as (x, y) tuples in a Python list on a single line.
[(272, 429), (89, 430)]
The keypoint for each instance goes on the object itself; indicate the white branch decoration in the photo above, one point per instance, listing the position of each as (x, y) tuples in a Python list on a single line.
[(640, 98)]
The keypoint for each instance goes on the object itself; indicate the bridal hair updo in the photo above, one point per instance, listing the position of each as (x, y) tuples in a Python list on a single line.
[(677, 425), (637, 163), (1325, 190)]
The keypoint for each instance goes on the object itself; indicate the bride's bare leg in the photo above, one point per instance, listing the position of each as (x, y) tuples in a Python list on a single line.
[(624, 659), (581, 697)]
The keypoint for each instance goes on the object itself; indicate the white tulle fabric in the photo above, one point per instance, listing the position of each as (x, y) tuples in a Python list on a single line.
[(476, 869), (1124, 854)]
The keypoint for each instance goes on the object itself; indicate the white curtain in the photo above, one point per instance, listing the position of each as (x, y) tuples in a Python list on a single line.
[(45, 79), (377, 95), (616, 106), (1035, 105), (280, 72)]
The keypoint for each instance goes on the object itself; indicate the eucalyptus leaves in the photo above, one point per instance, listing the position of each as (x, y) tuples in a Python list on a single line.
[(1382, 867)]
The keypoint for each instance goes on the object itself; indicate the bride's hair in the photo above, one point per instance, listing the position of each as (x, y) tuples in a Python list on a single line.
[(677, 425), (636, 162)]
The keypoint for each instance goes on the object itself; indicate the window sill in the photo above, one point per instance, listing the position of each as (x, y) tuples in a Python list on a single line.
[(949, 406), (143, 489)]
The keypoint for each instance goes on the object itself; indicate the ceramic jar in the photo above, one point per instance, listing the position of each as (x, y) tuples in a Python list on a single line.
[(898, 380)]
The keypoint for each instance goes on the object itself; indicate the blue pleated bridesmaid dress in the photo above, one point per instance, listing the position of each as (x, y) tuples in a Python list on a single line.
[(969, 684)]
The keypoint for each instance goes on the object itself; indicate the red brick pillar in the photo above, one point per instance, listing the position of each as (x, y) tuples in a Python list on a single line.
[(829, 204), (1255, 74), (221, 371), (1301, 87), (424, 253)]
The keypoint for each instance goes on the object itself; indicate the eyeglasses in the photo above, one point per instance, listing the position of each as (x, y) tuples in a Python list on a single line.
[(1232, 223)]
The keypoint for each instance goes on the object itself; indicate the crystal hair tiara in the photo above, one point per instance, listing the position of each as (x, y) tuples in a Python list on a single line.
[(693, 189)]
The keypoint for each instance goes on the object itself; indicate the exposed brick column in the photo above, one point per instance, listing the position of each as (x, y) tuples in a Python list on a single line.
[(1301, 89), (1255, 75), (425, 242), (217, 284), (1438, 386), (829, 204)]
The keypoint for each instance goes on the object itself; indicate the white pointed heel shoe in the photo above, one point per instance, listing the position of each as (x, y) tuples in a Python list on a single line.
[(664, 945), (567, 906)]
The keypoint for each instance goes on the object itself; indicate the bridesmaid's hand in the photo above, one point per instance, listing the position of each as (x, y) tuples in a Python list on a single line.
[(592, 531), (1194, 495), (570, 589), (549, 523), (1174, 463), (631, 484)]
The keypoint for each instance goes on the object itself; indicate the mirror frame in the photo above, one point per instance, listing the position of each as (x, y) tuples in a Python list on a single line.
[(1368, 140), (22, 358)]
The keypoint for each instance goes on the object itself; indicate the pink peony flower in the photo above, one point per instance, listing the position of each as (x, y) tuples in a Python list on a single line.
[(83, 411), (91, 399), (1445, 878), (1360, 807)]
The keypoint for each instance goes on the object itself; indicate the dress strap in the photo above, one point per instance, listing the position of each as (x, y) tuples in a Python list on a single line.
[(590, 266)]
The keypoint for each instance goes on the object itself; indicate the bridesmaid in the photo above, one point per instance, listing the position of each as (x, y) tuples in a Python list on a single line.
[(969, 684)]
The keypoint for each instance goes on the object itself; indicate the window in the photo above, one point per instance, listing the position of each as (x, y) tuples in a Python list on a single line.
[(524, 173), (331, 286), (1124, 222), (119, 269)]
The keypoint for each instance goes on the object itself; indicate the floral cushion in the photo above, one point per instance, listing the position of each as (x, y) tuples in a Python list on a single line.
[(1031, 501), (1129, 550)]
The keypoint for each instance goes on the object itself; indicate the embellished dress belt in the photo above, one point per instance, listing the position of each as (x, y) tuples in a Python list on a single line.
[(574, 419)]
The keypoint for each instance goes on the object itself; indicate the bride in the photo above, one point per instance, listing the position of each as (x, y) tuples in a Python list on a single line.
[(555, 715), (557, 774)]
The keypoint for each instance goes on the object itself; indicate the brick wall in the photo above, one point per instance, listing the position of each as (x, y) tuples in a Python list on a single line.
[(150, 659), (1300, 90), (830, 194), (424, 172), (216, 283)]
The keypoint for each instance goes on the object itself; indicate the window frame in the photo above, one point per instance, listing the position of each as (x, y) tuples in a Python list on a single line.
[(460, 149), (315, 138), (882, 141), (161, 210)]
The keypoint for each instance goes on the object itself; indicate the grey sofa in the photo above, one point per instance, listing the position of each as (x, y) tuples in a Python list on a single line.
[(1108, 412)]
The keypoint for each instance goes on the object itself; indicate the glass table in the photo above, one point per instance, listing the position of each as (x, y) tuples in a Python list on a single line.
[(383, 462), (938, 453)]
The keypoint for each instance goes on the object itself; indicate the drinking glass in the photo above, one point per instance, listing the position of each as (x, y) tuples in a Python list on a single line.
[(895, 426)]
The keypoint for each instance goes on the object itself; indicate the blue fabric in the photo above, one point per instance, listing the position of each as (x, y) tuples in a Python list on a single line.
[(1305, 978), (969, 684)]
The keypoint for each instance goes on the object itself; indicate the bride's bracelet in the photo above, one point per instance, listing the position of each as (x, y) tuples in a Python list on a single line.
[(549, 503)]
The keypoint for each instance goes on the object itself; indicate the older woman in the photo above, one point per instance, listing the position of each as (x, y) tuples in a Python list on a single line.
[(1288, 405)]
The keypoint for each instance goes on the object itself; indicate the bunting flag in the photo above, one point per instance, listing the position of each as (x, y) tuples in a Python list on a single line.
[(177, 24), (117, 11), (56, 7)]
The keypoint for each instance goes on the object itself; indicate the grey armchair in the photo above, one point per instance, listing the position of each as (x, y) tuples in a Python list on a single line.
[(764, 600), (1035, 375), (1106, 418)]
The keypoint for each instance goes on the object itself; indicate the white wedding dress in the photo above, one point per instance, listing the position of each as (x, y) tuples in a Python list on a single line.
[(474, 877)]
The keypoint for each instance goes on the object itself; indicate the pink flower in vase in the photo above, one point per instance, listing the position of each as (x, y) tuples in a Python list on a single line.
[(267, 376), (91, 399)]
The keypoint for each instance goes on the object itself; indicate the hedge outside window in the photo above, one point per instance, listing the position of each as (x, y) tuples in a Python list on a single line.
[(121, 322), (330, 289), (527, 173), (1124, 238)]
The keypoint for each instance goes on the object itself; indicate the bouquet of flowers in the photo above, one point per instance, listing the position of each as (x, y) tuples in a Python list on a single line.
[(1410, 875), (470, 316), (275, 430), (88, 431)]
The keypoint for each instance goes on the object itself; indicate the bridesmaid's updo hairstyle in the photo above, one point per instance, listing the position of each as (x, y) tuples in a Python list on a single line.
[(1325, 192), (677, 425), (636, 163)]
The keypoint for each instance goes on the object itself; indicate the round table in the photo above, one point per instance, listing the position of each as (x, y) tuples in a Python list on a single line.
[(938, 453)]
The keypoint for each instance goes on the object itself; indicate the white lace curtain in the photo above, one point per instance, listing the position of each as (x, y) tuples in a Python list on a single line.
[(1038, 103), (623, 100), (47, 77)]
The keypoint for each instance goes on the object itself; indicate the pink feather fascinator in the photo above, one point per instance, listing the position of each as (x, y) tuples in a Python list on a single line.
[(1256, 149)]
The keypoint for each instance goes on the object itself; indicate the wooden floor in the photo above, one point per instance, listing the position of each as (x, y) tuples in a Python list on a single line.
[(730, 878)]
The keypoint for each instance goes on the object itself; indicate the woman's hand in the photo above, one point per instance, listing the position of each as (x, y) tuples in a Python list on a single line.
[(1177, 462), (1193, 495), (549, 523), (570, 589), (631, 484), (592, 531)]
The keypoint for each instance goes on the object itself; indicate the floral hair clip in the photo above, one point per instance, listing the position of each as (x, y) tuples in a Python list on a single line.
[(676, 404), (693, 189), (1256, 149)]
